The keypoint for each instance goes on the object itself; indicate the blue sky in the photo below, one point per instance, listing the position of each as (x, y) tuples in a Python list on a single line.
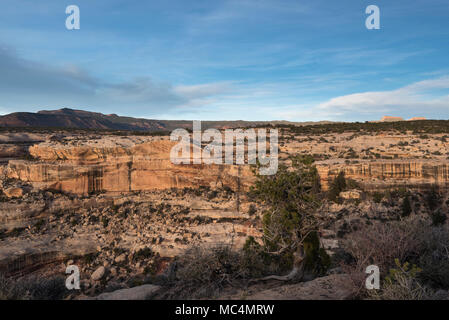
[(220, 59)]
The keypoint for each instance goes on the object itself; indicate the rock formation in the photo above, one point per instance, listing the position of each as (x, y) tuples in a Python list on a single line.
[(146, 166), (390, 119), (374, 175)]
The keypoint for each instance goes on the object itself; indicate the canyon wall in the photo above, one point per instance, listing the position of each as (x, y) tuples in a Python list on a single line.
[(373, 175), (146, 166)]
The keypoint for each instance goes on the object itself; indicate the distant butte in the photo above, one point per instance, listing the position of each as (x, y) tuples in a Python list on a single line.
[(394, 119), (389, 119)]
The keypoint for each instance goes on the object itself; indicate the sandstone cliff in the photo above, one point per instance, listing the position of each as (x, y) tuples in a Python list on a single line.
[(145, 166), (373, 175)]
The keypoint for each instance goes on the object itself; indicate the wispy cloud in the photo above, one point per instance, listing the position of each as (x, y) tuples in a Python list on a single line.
[(424, 98)]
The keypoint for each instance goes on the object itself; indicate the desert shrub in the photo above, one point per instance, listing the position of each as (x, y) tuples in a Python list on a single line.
[(33, 288), (90, 257), (255, 259), (381, 243), (406, 208), (252, 209), (438, 217), (352, 184), (52, 288), (228, 189), (402, 283), (204, 272), (142, 254), (212, 194), (377, 197), (105, 222), (433, 198), (337, 185), (434, 257), (9, 291), (39, 224), (414, 240)]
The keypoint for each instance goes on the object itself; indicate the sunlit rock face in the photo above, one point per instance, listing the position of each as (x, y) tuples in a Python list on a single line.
[(418, 174), (141, 167), (111, 166)]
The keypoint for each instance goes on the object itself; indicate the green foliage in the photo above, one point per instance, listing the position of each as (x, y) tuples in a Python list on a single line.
[(337, 186), (317, 261), (406, 208), (105, 221), (402, 284), (143, 254), (293, 196), (404, 269), (433, 198), (438, 217), (422, 126), (352, 184), (289, 188), (252, 209), (255, 258), (377, 197)]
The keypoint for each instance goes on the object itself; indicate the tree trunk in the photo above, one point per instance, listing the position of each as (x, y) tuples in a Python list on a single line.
[(297, 272)]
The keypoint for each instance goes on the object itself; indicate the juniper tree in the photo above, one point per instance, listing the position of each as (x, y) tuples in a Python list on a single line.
[(290, 224)]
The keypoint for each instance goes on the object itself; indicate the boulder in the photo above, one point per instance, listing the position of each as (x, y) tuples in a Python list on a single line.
[(99, 273), (13, 192), (332, 287), (143, 292), (120, 258), (351, 195)]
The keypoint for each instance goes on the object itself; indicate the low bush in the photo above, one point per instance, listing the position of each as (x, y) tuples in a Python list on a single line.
[(205, 272), (402, 283), (414, 240), (33, 288)]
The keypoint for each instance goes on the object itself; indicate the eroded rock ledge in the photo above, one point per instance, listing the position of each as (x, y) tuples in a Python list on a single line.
[(146, 166)]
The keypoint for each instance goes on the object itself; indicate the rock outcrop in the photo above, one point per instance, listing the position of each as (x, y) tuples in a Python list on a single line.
[(99, 273), (146, 166), (13, 192), (144, 292), (390, 119), (332, 287), (24, 255), (104, 167), (374, 175)]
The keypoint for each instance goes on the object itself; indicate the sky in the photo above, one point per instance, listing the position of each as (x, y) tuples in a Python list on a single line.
[(301, 60)]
